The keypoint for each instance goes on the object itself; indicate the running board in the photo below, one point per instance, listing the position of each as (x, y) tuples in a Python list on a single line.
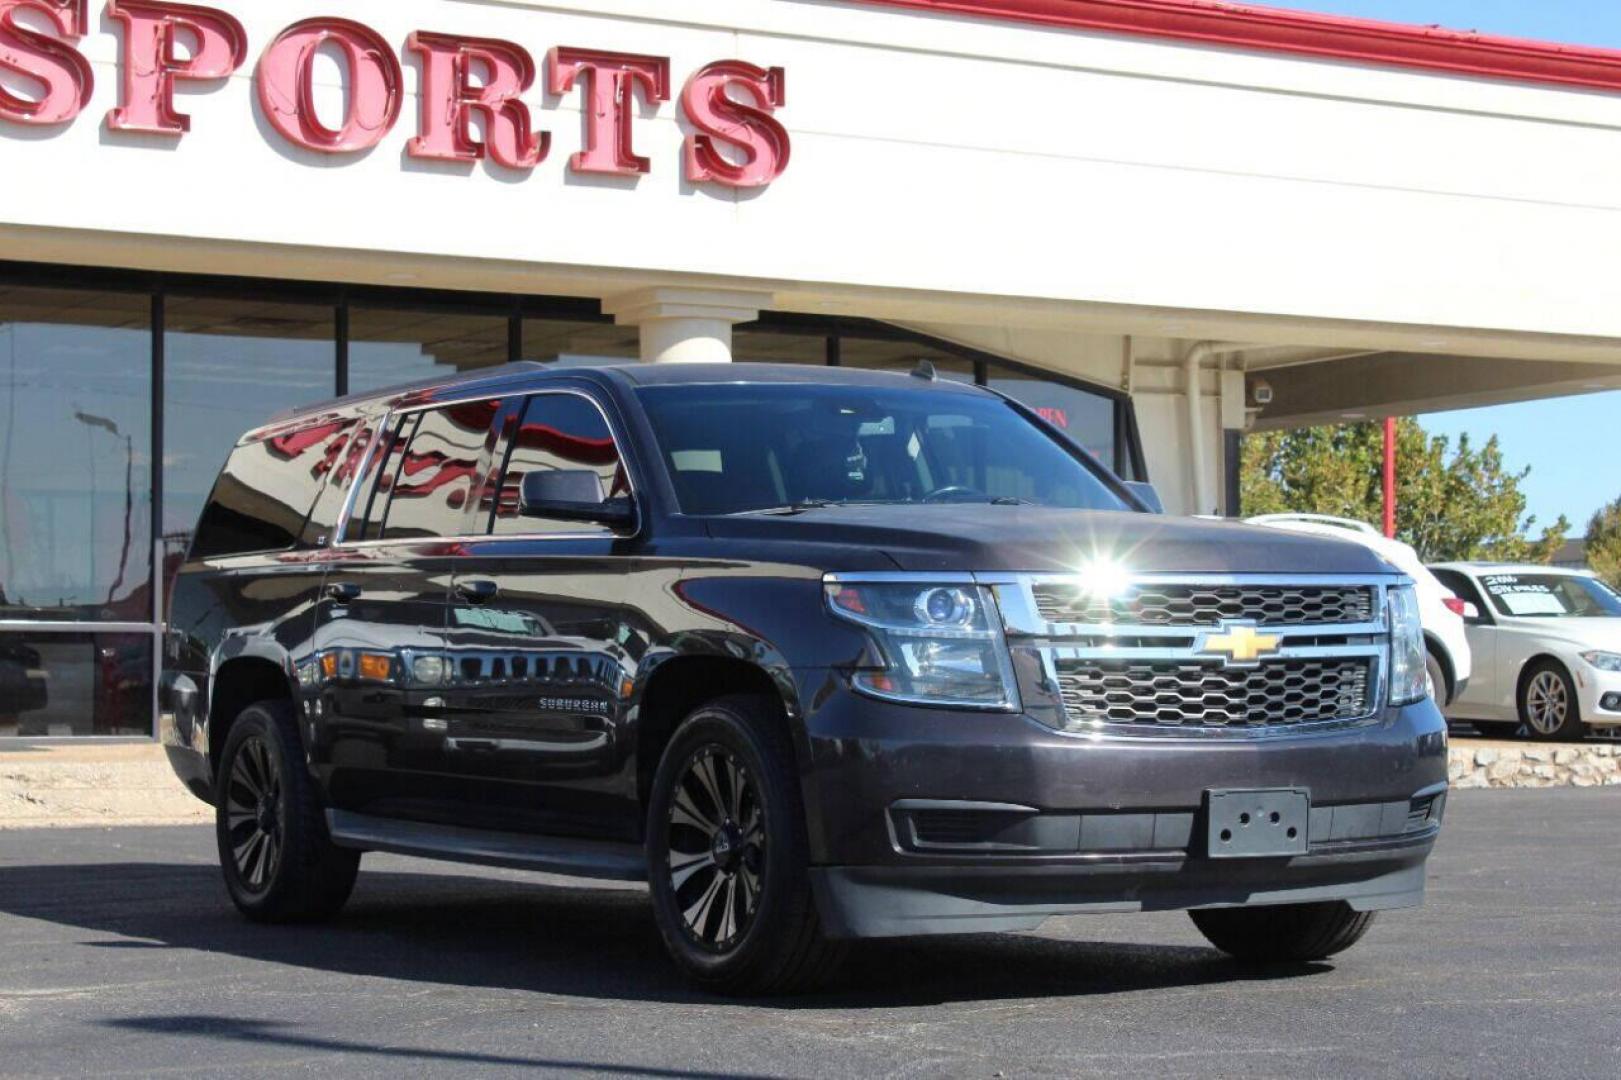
[(518, 851)]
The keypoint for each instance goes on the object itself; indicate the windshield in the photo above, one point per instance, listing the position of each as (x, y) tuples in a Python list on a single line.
[(1551, 596), (736, 448)]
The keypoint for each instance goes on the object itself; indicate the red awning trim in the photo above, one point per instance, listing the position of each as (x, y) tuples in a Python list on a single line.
[(1245, 26)]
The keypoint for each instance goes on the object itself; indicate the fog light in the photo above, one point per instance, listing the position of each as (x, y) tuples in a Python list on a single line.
[(1611, 703)]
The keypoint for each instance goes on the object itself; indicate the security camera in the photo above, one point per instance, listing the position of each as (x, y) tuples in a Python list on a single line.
[(1261, 393)]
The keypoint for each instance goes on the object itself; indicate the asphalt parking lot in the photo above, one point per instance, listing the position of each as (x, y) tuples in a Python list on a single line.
[(120, 955)]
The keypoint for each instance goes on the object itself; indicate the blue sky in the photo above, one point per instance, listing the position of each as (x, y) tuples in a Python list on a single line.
[(1569, 443)]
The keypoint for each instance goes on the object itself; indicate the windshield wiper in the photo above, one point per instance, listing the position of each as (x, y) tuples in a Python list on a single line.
[(791, 509)]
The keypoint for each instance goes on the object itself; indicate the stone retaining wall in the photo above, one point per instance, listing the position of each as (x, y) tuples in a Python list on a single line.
[(132, 785), (1509, 765)]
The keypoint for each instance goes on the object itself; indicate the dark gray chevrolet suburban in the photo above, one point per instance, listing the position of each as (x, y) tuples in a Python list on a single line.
[(819, 655)]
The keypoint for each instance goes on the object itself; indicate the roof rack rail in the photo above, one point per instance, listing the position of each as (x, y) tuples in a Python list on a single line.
[(460, 378)]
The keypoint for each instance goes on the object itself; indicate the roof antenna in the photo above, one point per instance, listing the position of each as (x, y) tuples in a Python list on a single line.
[(925, 370)]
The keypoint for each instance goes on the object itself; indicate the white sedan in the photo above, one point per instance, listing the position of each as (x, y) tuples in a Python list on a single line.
[(1547, 649)]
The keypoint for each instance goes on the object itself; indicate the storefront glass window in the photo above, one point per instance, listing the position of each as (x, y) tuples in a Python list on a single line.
[(764, 347), (388, 347), (59, 685), (1086, 417), (902, 356), (230, 364), (580, 344), (75, 456)]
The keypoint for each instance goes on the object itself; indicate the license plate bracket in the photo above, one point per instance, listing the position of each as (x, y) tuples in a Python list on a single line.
[(1257, 824)]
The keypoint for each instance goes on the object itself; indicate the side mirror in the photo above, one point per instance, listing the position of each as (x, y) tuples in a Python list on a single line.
[(1147, 494), (572, 495)]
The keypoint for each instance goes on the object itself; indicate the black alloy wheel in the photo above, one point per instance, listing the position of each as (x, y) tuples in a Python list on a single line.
[(279, 861), (717, 847), (255, 813), (728, 856)]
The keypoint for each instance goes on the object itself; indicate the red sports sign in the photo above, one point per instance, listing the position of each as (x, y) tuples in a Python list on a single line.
[(735, 139)]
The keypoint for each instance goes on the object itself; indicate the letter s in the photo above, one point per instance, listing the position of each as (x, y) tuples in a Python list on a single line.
[(59, 68), (752, 129)]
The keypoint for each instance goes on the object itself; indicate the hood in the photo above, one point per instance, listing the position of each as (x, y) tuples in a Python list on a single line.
[(978, 537), (1600, 633)]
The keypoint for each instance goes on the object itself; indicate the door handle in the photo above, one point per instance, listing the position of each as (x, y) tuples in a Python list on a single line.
[(343, 591), (477, 592)]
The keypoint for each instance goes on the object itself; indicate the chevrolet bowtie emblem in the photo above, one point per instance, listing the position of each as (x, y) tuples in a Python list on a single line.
[(1241, 644)]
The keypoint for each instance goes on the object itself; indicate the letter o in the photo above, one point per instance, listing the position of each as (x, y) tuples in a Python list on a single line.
[(286, 84)]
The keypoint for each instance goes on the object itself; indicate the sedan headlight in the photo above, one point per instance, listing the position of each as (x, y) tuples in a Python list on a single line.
[(1604, 661), (1409, 681), (940, 644)]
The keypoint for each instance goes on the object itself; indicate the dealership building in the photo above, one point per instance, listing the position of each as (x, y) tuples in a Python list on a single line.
[(1160, 222)]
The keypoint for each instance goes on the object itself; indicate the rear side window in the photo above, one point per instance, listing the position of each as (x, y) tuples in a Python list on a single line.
[(558, 432), (429, 477), (344, 459), (263, 498), (1461, 586)]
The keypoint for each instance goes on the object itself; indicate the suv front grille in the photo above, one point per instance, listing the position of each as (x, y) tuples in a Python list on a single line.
[(1277, 693), (1209, 605)]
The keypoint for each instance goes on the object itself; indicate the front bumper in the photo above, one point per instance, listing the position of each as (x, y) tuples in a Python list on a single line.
[(1594, 686), (1055, 824)]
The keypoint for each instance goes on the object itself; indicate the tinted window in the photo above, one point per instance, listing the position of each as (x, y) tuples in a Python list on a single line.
[(431, 487), (62, 685), (342, 463), (734, 448), (558, 432), (262, 499)]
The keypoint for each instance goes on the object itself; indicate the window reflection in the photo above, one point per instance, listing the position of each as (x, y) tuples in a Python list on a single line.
[(263, 499), (429, 495), (75, 455), (560, 433), (763, 347), (230, 364), (903, 356), (389, 347), (565, 343), (59, 685), (1087, 418)]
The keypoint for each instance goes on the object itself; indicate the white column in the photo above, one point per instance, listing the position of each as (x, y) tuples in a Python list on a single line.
[(686, 326)]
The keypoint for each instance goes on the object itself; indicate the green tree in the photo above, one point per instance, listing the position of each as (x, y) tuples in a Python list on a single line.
[(1604, 543), (1451, 502)]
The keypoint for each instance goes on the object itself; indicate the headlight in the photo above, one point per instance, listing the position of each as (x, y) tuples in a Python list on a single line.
[(1408, 679), (1604, 661), (941, 644)]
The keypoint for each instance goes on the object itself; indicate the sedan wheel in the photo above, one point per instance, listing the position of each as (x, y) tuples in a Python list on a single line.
[(1548, 704)]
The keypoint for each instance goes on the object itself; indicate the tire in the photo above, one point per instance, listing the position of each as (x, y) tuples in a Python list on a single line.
[(1292, 933), (280, 864), (1548, 705), (1440, 691), (728, 871)]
